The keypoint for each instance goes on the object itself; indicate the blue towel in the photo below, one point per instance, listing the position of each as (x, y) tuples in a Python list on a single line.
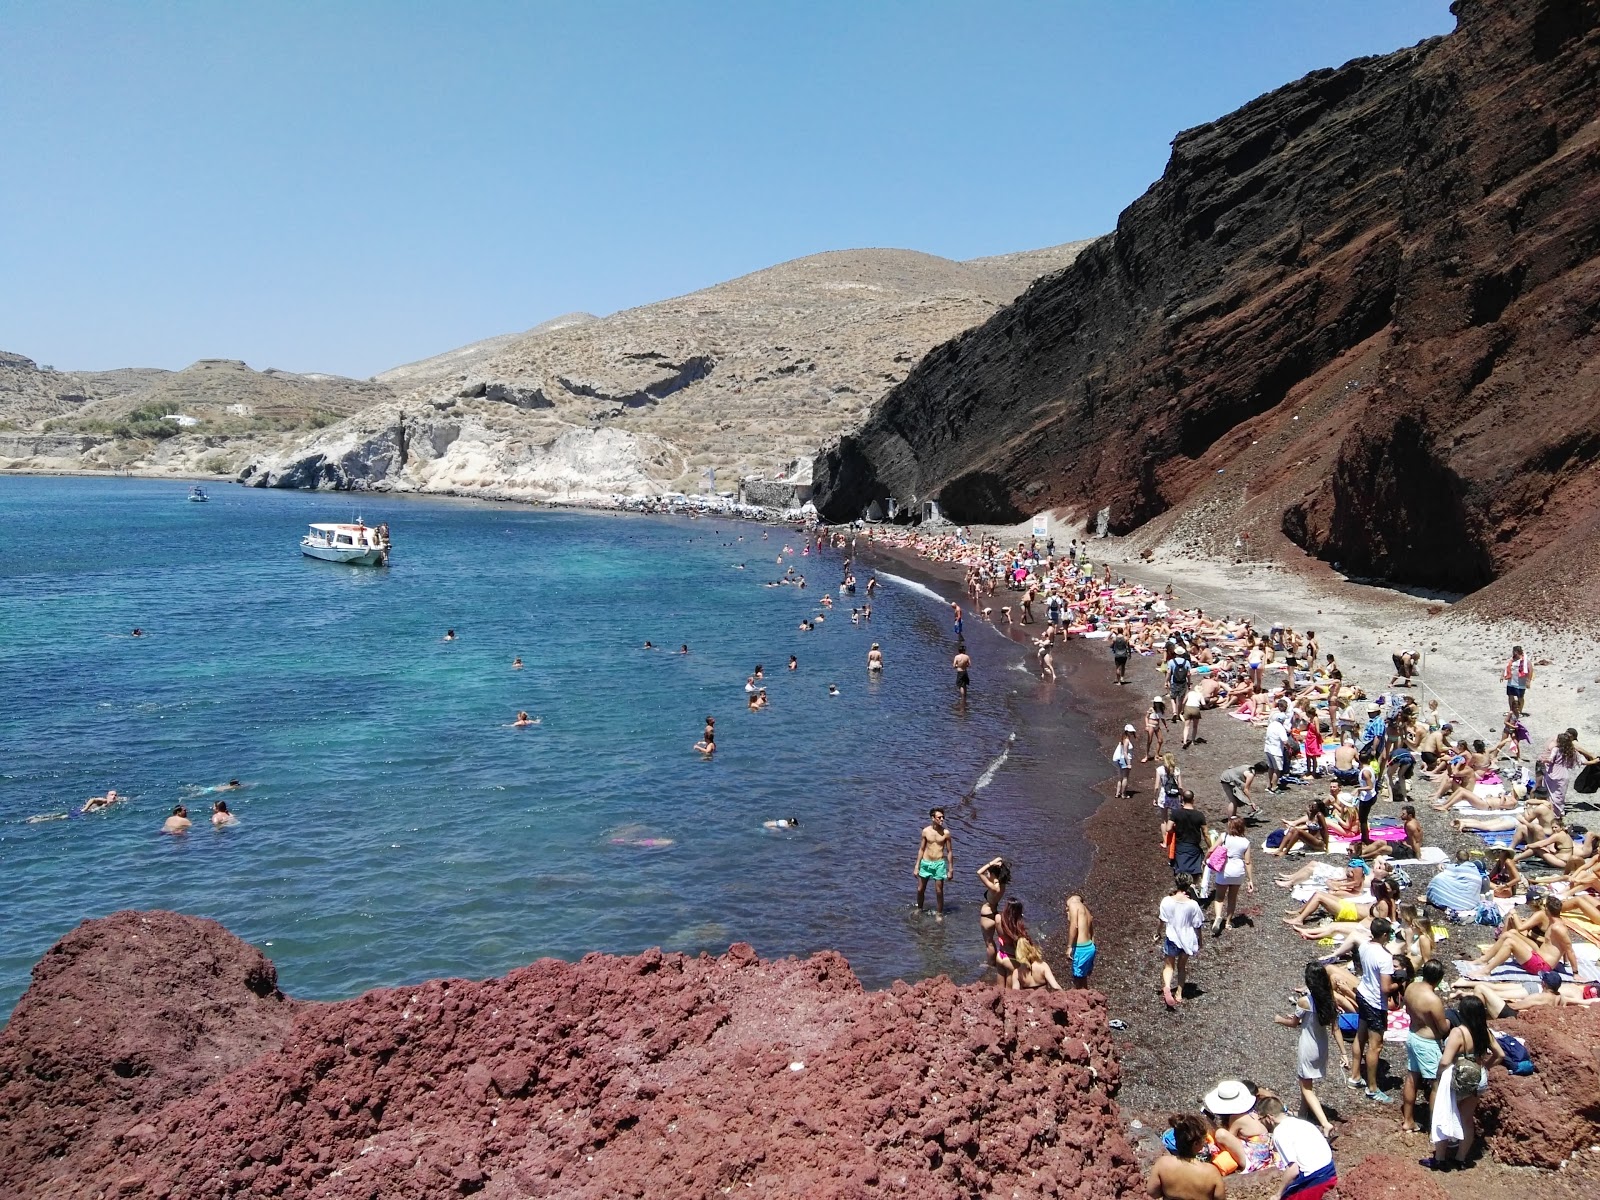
[(1457, 886)]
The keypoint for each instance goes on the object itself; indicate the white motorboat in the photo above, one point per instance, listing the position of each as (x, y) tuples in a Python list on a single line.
[(197, 495), (359, 544)]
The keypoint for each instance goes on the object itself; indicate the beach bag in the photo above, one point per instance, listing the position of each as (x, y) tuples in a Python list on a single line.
[(1466, 1078), (1218, 858), (1274, 839), (1588, 779), (1518, 1060)]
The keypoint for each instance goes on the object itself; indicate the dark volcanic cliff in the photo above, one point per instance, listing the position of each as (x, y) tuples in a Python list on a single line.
[(1398, 255)]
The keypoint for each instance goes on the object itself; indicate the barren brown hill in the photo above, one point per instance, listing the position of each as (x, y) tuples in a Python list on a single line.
[(1359, 313), (741, 378), (209, 416)]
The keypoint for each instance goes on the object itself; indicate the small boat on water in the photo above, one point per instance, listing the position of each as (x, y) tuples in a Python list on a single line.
[(197, 495), (359, 544)]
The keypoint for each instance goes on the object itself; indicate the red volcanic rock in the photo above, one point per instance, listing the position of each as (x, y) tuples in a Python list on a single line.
[(1540, 1120), (125, 1016), (1388, 1177), (1361, 311), (656, 1076)]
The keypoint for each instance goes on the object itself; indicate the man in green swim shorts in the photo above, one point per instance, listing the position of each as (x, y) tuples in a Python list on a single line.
[(935, 859)]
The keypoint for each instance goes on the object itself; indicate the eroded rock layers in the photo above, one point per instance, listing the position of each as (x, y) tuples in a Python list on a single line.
[(153, 1056), (1402, 252)]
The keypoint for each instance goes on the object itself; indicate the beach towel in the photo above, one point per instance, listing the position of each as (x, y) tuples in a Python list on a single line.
[(1466, 810), (1432, 856), (1457, 888)]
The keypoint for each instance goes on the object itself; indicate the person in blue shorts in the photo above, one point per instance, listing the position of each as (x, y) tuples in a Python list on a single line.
[(1080, 936)]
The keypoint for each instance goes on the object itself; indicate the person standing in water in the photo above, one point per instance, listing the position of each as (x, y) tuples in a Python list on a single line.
[(1080, 938), (178, 822), (963, 666), (935, 858), (875, 658), (221, 815), (995, 875)]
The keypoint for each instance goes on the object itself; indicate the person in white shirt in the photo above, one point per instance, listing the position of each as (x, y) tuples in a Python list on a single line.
[(1274, 744), (1309, 1172), (1372, 1005), (1181, 921)]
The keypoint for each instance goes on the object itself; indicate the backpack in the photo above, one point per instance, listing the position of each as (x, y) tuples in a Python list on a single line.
[(1467, 1077), (1518, 1060), (1180, 673)]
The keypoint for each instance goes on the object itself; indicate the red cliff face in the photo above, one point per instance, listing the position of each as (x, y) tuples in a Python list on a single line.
[(153, 1057), (1402, 253)]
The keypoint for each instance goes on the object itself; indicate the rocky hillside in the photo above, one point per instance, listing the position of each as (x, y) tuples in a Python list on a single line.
[(208, 417), (153, 1056), (738, 379), (1358, 313)]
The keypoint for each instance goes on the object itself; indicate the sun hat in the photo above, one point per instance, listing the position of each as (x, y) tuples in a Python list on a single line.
[(1129, 729), (1374, 708), (1229, 1098)]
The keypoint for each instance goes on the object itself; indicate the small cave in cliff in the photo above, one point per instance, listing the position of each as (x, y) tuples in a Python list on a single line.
[(979, 497), (1392, 510)]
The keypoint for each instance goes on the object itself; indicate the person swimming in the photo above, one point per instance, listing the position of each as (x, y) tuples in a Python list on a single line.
[(516, 663), (96, 803), (683, 649), (648, 645), (222, 815), (178, 822), (523, 719), (449, 635), (794, 663), (833, 689), (137, 632), (782, 823)]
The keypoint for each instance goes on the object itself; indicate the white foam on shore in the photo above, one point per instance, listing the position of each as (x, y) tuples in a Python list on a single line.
[(993, 768), (913, 585)]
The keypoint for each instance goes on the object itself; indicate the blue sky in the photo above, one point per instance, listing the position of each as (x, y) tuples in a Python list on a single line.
[(347, 186)]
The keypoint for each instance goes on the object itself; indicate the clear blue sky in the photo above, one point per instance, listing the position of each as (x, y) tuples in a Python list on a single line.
[(347, 186)]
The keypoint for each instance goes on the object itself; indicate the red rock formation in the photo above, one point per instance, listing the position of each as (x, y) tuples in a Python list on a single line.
[(1389, 272), (1540, 1120), (125, 1017), (654, 1076), (1389, 1177)]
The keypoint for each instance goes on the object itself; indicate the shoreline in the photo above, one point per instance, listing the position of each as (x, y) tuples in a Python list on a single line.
[(1245, 977)]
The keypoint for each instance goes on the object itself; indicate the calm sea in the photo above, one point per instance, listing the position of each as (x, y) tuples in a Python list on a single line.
[(394, 828)]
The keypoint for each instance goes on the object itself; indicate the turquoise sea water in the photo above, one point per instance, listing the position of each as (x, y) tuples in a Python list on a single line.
[(393, 828)]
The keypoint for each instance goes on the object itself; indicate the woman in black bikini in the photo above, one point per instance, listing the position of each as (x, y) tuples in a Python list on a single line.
[(994, 875)]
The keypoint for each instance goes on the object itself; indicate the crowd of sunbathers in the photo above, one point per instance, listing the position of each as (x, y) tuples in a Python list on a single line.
[(1380, 979)]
